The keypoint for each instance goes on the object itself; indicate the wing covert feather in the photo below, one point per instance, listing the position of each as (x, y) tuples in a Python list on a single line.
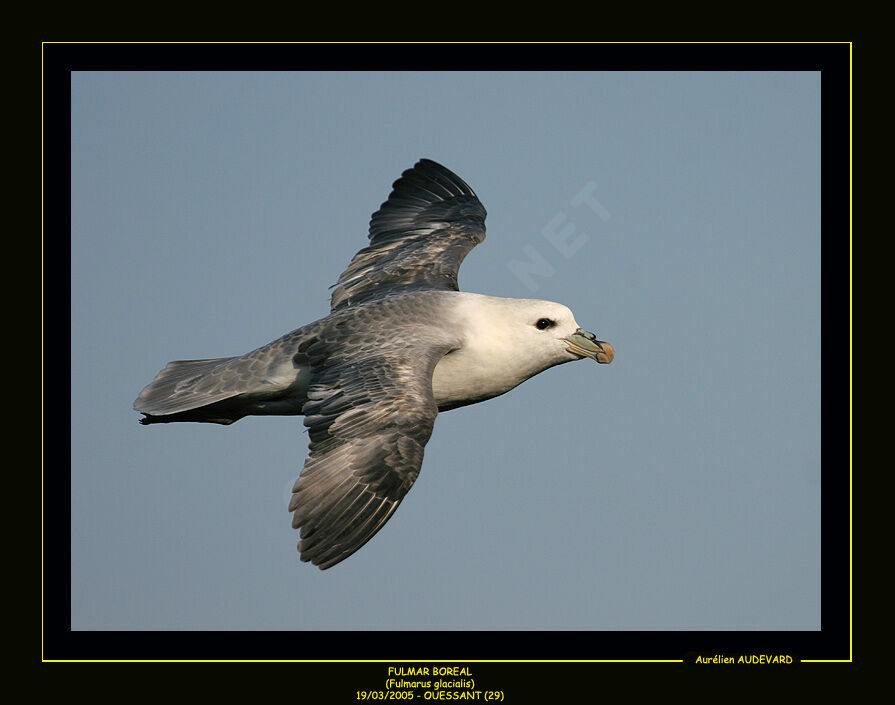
[(418, 237)]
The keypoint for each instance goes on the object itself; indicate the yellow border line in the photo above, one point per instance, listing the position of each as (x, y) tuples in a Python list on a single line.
[(463, 661), (850, 379), (850, 382), (42, 210), (453, 42), (850, 388)]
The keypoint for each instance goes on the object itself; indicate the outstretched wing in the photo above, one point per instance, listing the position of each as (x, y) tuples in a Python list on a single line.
[(418, 237), (369, 418)]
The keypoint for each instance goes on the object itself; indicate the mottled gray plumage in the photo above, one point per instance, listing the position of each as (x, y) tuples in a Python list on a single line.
[(401, 343), (418, 237), (369, 414)]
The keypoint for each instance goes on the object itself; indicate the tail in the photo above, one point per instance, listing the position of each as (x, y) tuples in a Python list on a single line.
[(189, 390)]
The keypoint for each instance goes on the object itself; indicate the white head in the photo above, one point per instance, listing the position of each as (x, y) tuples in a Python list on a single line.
[(507, 341), (544, 332)]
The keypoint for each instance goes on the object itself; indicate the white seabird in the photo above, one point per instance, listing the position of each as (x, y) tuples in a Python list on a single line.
[(400, 344)]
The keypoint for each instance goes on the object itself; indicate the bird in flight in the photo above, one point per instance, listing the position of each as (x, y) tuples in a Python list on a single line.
[(401, 343)]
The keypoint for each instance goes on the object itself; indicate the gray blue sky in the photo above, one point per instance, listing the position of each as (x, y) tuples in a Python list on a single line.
[(678, 216)]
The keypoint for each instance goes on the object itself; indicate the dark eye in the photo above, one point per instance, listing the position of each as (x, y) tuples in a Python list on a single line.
[(544, 324)]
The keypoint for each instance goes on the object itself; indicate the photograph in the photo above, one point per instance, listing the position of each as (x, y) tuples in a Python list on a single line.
[(321, 302)]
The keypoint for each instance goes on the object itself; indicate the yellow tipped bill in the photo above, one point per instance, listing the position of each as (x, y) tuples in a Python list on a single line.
[(585, 344)]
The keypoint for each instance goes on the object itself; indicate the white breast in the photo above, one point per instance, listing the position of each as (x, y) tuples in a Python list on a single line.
[(489, 361), (460, 379)]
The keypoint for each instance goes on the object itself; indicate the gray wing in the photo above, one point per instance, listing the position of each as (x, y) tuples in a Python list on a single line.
[(418, 237), (369, 420)]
